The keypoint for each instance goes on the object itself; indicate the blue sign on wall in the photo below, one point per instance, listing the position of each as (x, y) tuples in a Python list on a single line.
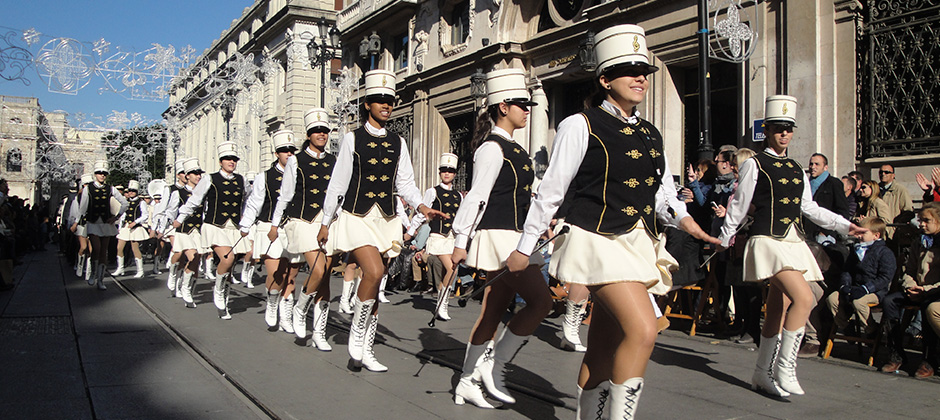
[(759, 131)]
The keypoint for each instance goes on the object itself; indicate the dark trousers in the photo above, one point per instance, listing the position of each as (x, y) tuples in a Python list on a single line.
[(893, 308)]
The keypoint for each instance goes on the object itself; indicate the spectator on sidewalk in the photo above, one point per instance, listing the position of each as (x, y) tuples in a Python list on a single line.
[(848, 187), (898, 199), (866, 278), (871, 205), (920, 286), (930, 186)]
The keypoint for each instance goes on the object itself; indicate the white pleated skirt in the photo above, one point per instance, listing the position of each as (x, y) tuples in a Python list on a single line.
[(183, 241), (490, 248), (302, 236), (438, 244), (263, 247), (349, 232), (81, 230), (101, 229), (766, 256), (228, 236), (137, 234), (587, 258)]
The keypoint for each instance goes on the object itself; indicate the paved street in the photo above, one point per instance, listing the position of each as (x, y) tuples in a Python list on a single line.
[(71, 351)]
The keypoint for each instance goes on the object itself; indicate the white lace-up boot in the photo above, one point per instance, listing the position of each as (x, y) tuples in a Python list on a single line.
[(171, 281), (592, 403), (248, 272), (270, 310), (301, 309), (382, 297), (139, 262), (442, 311), (88, 271), (785, 369), (362, 312), (321, 313), (80, 266), (493, 367), (624, 398), (186, 288), (571, 340), (345, 298), (368, 355), (763, 378), (468, 388), (285, 313)]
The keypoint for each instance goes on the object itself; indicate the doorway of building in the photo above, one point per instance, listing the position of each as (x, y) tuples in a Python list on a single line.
[(461, 134)]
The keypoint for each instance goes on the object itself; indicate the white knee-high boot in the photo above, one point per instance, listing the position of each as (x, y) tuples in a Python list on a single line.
[(345, 299), (362, 313), (571, 339), (286, 314), (139, 262), (120, 267), (593, 403), (763, 378), (785, 369), (186, 288), (492, 369), (301, 309), (468, 388), (624, 398), (270, 311), (321, 313), (368, 355)]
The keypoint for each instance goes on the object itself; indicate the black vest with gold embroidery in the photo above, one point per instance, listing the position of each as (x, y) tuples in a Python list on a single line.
[(133, 210), (509, 199), (777, 196), (224, 199), (194, 221), (447, 201), (313, 177), (375, 163), (272, 188), (616, 184), (99, 208)]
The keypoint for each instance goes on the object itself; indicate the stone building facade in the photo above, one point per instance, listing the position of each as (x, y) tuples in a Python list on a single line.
[(804, 48), (274, 31)]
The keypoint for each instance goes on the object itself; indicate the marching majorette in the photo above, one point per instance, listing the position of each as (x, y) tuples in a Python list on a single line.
[(259, 208), (780, 191), (187, 236), (250, 258), (440, 243), (97, 208), (77, 224), (502, 183), (156, 189), (222, 193), (371, 165), (622, 189), (306, 180), (165, 214), (132, 229)]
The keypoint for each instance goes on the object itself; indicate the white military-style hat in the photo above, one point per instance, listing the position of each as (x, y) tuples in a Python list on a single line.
[(133, 185), (87, 179), (780, 109), (192, 165), (507, 85), (380, 82), (228, 149), (316, 117), (283, 139), (448, 161), (250, 176), (179, 165), (622, 45), (101, 166)]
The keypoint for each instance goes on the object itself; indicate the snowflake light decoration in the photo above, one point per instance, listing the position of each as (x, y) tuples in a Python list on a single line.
[(734, 37), (101, 46), (64, 66), (31, 36)]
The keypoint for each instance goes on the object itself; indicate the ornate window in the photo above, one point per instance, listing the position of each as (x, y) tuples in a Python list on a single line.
[(14, 160), (456, 26)]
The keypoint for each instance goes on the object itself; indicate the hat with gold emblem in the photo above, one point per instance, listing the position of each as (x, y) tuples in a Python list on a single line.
[(133, 185), (191, 165), (87, 179), (622, 45), (228, 149), (316, 117), (448, 161), (101, 167), (283, 141), (380, 83), (780, 110), (507, 85)]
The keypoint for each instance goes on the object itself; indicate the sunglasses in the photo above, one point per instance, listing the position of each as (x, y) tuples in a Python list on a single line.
[(323, 130), (885, 172)]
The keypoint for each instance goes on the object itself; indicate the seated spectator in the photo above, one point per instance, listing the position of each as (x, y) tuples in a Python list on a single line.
[(865, 279), (871, 205), (930, 186), (900, 205), (920, 286), (848, 187)]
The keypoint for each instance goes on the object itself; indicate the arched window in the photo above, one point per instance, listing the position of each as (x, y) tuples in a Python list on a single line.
[(14, 160)]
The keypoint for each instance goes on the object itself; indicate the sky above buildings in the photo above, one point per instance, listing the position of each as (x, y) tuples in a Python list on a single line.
[(123, 25)]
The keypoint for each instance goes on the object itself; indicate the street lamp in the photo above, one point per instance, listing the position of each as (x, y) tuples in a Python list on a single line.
[(322, 52), (369, 47)]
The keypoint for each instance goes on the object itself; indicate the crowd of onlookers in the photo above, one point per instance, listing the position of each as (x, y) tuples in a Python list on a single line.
[(893, 267), (23, 228)]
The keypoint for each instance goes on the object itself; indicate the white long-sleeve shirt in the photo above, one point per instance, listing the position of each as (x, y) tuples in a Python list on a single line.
[(173, 204), (86, 198), (429, 196), (73, 213), (289, 185), (159, 210), (747, 181), (342, 173), (199, 195), (570, 146), (487, 162), (256, 200)]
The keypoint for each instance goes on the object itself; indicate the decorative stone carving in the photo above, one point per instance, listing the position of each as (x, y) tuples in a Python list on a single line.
[(444, 30)]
